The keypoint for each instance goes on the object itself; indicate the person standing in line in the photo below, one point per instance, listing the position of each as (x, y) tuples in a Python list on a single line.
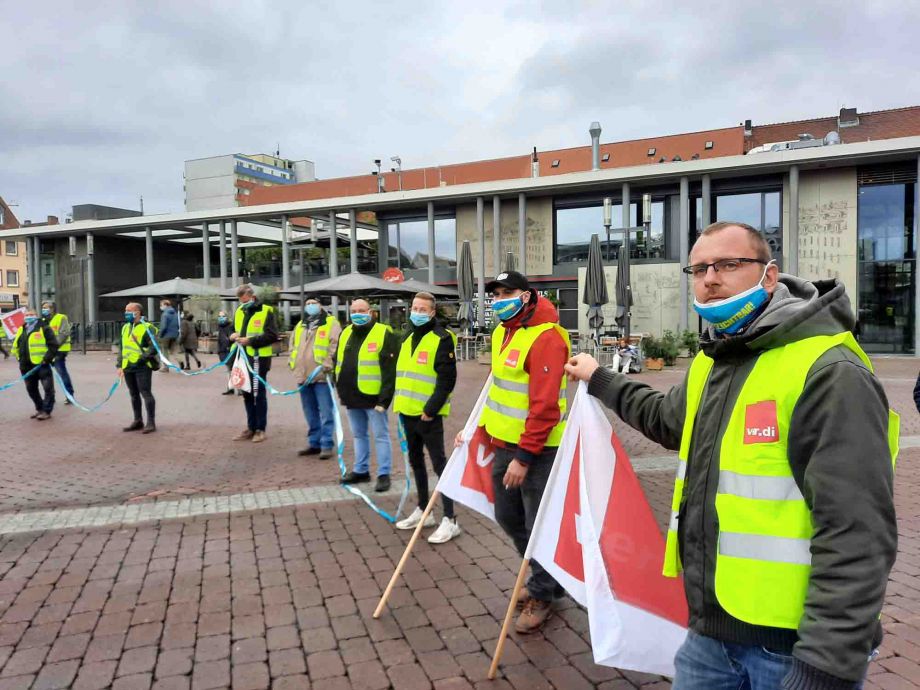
[(524, 414), (169, 329), (255, 328), (60, 324), (6, 354), (312, 343), (224, 329), (783, 521), (188, 339), (426, 373), (365, 378), (136, 356), (35, 345)]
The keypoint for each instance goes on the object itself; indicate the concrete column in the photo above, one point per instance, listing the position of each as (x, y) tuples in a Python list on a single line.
[(624, 203), (431, 248), (285, 268), (916, 234), (222, 239), (496, 235), (90, 279), (706, 197), (333, 257), (684, 248), (148, 251), (522, 232), (234, 256), (481, 283), (353, 237), (791, 252), (36, 273), (29, 277), (205, 253)]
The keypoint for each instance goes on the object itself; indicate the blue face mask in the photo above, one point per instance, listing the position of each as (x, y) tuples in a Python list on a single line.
[(312, 309), (248, 305), (30, 321), (221, 320), (419, 319), (507, 308), (129, 317), (360, 319), (46, 312), (731, 314)]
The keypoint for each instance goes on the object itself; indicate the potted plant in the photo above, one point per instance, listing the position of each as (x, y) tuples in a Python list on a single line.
[(690, 341), (671, 347), (654, 350)]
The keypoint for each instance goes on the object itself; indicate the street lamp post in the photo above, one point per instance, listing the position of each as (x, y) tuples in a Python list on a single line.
[(608, 221)]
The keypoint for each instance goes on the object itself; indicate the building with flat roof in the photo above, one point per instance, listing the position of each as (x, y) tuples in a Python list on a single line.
[(836, 197), (224, 181), (14, 290)]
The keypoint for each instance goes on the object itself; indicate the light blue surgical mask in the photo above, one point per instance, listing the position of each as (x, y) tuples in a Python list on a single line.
[(360, 319), (129, 317), (312, 309), (507, 308), (419, 319), (222, 320), (30, 321), (46, 312), (731, 314)]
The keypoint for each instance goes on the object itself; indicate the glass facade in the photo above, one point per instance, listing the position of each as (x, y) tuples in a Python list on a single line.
[(408, 240), (886, 254), (576, 224)]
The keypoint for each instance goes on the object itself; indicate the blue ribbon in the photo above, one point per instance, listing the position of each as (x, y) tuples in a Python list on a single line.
[(31, 371), (73, 400), (340, 454), (271, 389), (170, 365)]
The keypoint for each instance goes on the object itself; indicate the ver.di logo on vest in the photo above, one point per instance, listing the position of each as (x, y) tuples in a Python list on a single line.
[(422, 358), (760, 425), (512, 359)]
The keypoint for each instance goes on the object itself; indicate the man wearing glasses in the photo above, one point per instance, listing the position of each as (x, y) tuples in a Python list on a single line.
[(782, 520)]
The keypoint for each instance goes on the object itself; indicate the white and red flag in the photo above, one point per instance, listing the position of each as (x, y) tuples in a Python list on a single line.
[(596, 534)]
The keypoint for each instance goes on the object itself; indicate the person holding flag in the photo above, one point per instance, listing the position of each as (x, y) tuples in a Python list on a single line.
[(524, 416), (312, 343), (34, 345), (782, 520), (426, 373), (60, 324)]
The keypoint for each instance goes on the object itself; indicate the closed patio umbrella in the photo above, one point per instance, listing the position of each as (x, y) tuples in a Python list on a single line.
[(595, 295), (465, 285), (509, 262), (623, 290)]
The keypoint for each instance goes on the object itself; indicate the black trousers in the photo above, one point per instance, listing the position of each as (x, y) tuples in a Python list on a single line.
[(257, 402), (516, 509), (43, 403), (139, 384), (191, 353), (430, 435)]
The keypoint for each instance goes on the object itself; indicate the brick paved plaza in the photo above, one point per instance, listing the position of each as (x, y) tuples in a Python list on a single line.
[(191, 562)]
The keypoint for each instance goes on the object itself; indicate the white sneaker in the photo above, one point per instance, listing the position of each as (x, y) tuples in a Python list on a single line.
[(447, 530), (412, 521)]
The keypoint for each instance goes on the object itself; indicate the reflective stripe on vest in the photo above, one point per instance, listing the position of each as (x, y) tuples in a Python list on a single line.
[(130, 350), (56, 322), (508, 403), (415, 375), (320, 342), (369, 375), (256, 326), (763, 562), (38, 347)]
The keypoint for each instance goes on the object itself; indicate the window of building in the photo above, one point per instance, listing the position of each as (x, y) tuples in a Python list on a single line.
[(762, 210), (576, 224), (408, 240), (2, 218), (11, 248), (568, 308), (12, 278)]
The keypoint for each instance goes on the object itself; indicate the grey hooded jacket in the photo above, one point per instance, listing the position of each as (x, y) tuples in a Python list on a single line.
[(839, 455)]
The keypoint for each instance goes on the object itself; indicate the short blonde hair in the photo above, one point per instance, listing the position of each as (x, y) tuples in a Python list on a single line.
[(428, 297)]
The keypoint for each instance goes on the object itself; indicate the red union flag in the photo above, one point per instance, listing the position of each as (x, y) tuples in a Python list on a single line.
[(600, 540), (468, 475)]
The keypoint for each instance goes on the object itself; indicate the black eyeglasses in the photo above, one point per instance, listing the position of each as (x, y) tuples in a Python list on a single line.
[(726, 265)]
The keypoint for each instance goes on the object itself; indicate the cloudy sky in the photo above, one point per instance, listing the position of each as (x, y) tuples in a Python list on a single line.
[(102, 102)]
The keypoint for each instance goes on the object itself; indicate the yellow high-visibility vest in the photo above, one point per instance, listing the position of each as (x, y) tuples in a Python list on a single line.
[(38, 347), (320, 342), (370, 379), (131, 351), (416, 377), (256, 326), (508, 403), (763, 562), (56, 322)]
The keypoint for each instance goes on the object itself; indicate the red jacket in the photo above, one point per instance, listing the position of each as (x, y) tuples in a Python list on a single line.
[(545, 364)]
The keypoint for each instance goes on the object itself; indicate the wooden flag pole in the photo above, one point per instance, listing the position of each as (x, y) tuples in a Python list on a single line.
[(406, 554), (512, 605)]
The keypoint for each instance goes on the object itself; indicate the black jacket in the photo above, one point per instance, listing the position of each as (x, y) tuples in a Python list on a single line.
[(838, 452), (346, 382), (51, 342), (268, 336), (917, 393), (445, 364), (223, 339)]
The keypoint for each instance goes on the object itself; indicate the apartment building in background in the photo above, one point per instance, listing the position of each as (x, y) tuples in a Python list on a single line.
[(226, 181), (13, 286)]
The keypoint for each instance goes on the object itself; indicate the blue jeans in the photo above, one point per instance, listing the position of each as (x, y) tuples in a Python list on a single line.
[(60, 363), (359, 421), (704, 663), (317, 409)]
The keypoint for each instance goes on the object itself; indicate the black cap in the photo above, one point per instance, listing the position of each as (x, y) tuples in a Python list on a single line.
[(508, 279)]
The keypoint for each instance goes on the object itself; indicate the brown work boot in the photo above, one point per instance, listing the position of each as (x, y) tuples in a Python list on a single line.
[(522, 598), (258, 437), (533, 616), (245, 435)]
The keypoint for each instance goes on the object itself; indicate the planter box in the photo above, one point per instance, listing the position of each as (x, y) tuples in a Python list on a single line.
[(654, 364), (485, 358)]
